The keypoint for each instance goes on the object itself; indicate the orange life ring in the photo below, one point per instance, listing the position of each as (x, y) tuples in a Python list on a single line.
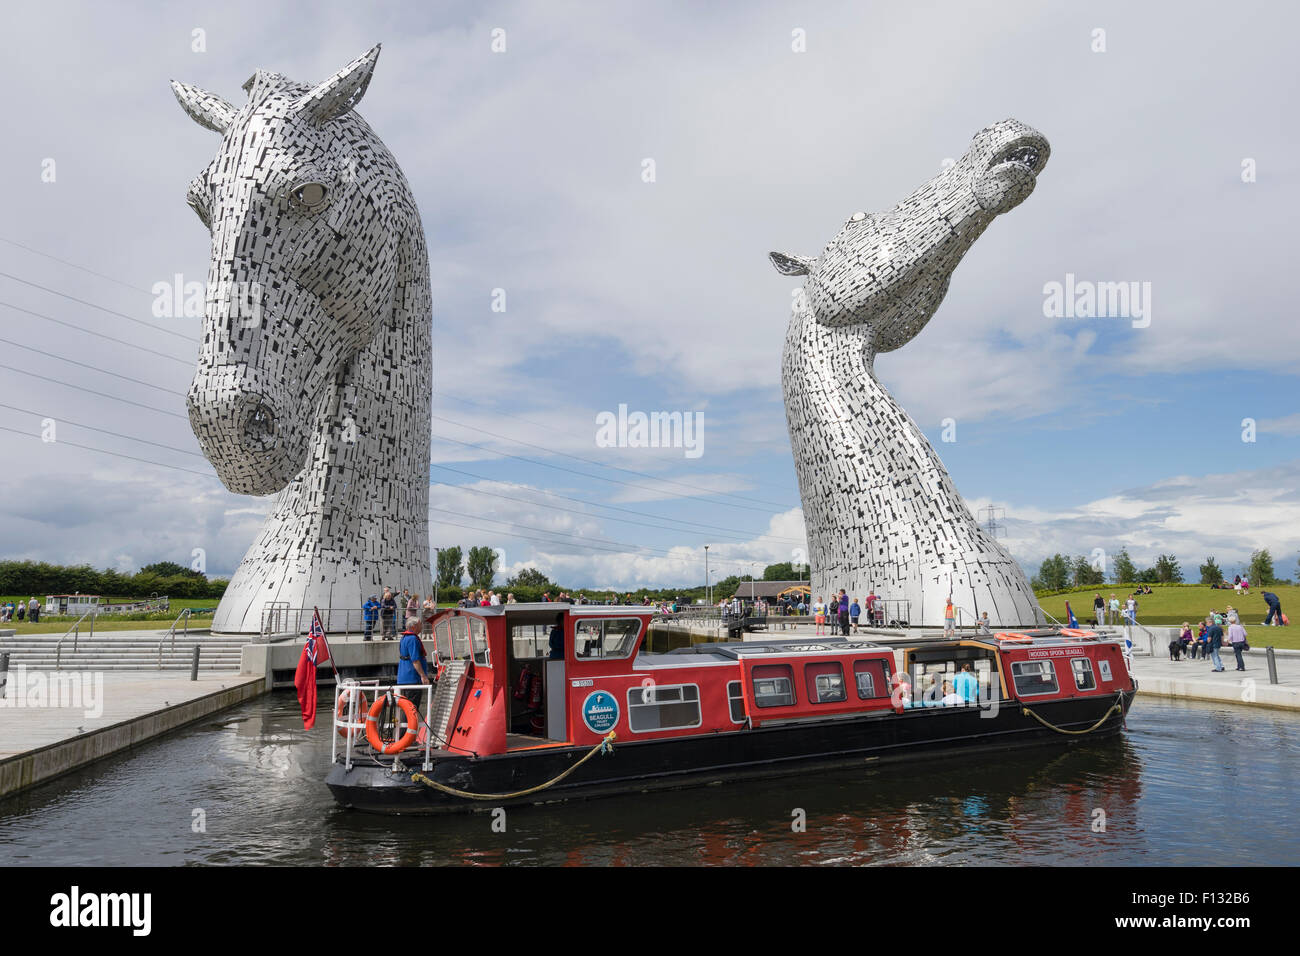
[(372, 726), (1075, 632), (344, 708), (1015, 636)]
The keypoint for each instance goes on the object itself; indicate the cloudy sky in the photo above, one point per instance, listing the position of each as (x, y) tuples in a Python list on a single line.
[(527, 165)]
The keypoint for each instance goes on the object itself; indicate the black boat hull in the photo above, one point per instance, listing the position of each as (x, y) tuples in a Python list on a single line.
[(643, 765)]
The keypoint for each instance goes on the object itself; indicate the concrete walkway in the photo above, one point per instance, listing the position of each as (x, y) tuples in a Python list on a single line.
[(1195, 680), (52, 722)]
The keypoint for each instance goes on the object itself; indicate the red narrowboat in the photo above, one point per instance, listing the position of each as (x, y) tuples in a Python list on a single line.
[(541, 702)]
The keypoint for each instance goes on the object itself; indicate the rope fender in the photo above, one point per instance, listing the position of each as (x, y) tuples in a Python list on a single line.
[(1118, 705), (605, 746)]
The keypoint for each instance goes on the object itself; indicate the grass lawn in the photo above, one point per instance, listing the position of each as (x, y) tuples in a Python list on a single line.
[(1174, 605), (157, 621)]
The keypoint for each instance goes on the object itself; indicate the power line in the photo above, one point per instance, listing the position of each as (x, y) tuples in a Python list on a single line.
[(93, 368), (115, 454), (581, 538), (67, 421), (189, 339), (116, 398), (590, 461), (644, 514), (50, 318), (37, 252)]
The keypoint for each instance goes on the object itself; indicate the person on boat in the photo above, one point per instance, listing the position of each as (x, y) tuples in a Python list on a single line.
[(370, 614), (1216, 641), (949, 619), (966, 684), (412, 662), (950, 697), (901, 692), (557, 638)]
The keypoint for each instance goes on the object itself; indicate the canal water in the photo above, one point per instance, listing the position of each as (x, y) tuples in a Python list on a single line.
[(1189, 784)]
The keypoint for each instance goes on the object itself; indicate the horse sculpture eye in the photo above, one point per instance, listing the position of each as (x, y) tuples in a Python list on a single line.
[(308, 196)]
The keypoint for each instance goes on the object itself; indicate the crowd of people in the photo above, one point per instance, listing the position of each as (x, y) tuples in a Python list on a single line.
[(844, 614), (1210, 638), (31, 610)]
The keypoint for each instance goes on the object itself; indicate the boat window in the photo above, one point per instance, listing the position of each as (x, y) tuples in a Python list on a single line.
[(478, 638), (1034, 677), (442, 637), (871, 678), (1083, 678), (773, 685), (459, 639), (663, 707), (611, 637), (825, 682), (735, 702), (530, 640)]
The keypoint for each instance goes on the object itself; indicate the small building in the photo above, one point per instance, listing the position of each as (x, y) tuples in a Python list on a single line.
[(771, 591)]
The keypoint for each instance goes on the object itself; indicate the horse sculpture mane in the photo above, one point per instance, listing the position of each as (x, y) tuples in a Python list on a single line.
[(315, 371), (880, 509)]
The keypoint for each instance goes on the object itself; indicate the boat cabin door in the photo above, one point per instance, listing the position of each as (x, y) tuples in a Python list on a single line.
[(557, 724)]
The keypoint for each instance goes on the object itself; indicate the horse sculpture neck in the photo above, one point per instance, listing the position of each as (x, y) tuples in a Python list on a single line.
[(880, 510)]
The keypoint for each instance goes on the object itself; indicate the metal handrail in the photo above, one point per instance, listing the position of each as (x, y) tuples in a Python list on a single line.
[(75, 631), (171, 632)]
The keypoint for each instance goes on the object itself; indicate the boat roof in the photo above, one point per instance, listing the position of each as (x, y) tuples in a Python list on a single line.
[(786, 647), (545, 611)]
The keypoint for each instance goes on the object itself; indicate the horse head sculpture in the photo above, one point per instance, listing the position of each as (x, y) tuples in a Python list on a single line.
[(314, 373), (880, 510)]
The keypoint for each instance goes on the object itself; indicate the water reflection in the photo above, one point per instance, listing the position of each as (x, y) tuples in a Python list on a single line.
[(1148, 797)]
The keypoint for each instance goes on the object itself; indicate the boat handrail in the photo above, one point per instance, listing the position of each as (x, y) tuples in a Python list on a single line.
[(351, 729), (75, 631)]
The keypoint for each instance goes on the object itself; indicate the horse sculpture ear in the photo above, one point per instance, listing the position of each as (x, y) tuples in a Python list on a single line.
[(790, 265), (342, 91), (206, 109)]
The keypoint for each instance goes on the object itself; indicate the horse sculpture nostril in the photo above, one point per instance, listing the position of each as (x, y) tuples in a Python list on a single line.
[(259, 427)]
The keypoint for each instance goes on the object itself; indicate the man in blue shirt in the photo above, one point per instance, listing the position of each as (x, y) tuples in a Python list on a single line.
[(412, 664), (1274, 607), (1216, 641), (370, 614), (967, 684)]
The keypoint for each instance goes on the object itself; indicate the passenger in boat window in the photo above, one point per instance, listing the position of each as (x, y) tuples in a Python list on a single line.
[(967, 684), (931, 696), (557, 638), (901, 693), (855, 612), (950, 697)]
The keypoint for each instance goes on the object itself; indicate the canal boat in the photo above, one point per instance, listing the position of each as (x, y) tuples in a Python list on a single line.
[(516, 716)]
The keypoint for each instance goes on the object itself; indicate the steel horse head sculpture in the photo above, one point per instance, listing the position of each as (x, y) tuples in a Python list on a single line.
[(315, 370), (880, 509)]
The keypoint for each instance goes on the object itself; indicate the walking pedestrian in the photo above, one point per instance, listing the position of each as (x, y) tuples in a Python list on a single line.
[(370, 614), (819, 613), (1237, 638), (855, 612), (843, 605), (1099, 609), (1114, 610)]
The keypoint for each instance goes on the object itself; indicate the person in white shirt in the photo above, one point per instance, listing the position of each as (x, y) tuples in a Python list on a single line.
[(819, 614), (950, 696)]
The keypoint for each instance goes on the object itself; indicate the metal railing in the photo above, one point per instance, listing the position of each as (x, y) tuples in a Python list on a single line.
[(75, 632), (351, 727), (171, 632), (281, 622)]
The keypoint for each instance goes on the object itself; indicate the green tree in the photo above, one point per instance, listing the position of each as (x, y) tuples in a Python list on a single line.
[(1168, 570), (531, 578), (481, 566), (1125, 572), (726, 587), (169, 569), (1085, 575), (450, 569), (1054, 573), (1211, 573), (784, 571), (1260, 568)]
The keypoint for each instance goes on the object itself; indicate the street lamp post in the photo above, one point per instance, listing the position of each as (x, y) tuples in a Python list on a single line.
[(437, 553), (708, 592)]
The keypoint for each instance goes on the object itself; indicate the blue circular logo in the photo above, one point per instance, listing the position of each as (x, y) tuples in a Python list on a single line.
[(600, 712)]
